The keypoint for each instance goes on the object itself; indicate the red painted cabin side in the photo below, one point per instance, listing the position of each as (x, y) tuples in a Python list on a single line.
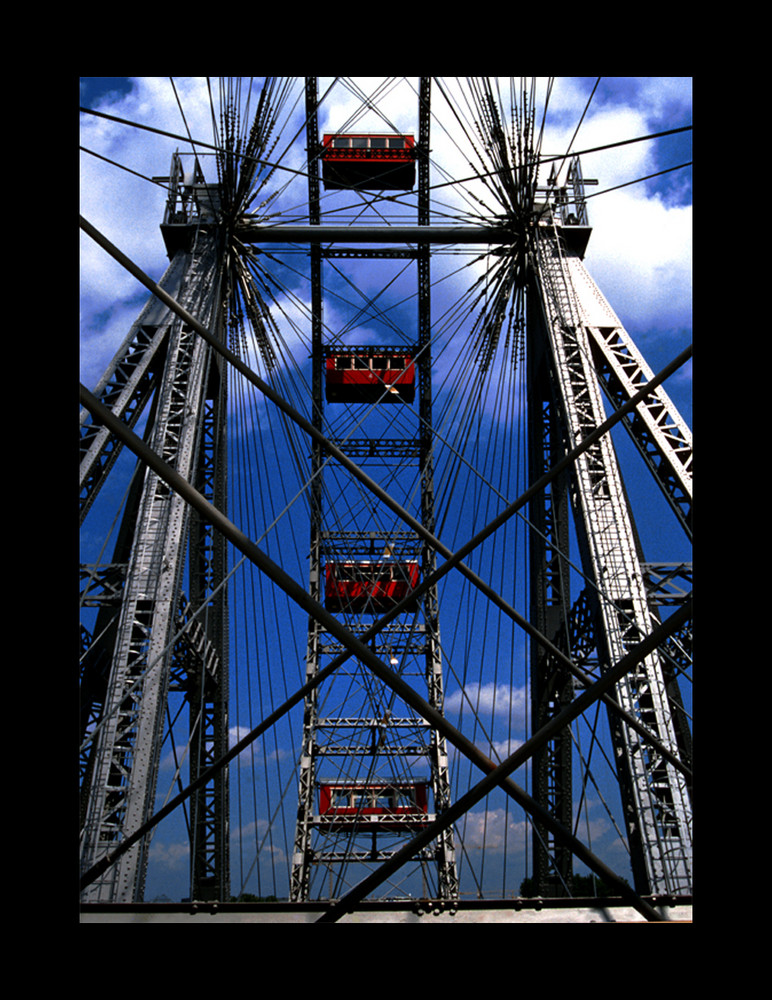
[(368, 586), (375, 162), (387, 377), (376, 806)]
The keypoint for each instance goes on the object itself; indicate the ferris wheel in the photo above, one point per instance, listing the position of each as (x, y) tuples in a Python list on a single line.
[(376, 351)]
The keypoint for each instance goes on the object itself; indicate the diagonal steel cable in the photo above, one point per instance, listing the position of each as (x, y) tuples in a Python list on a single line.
[(516, 760), (356, 647), (453, 559)]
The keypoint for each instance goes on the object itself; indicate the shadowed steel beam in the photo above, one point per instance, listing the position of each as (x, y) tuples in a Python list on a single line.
[(375, 234)]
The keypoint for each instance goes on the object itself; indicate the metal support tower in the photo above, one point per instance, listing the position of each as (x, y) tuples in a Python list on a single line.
[(370, 741), (584, 347), (150, 637), (551, 684)]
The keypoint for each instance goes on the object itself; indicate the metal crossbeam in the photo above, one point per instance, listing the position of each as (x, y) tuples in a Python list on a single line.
[(494, 234), (495, 775)]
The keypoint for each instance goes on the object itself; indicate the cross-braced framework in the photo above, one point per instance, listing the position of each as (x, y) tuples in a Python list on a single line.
[(377, 598)]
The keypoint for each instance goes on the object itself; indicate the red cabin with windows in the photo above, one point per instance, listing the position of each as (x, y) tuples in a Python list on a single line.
[(372, 587), (376, 162), (387, 376), (375, 806)]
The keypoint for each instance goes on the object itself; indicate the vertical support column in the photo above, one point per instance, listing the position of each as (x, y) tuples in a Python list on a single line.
[(301, 860), (654, 796), (208, 691), (126, 750), (551, 685), (447, 874), (364, 750)]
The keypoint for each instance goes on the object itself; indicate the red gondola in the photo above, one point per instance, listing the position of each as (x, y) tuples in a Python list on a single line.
[(385, 377), (374, 162), (375, 806), (371, 587)]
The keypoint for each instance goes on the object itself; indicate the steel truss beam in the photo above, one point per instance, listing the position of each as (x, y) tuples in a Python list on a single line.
[(126, 386), (124, 757), (655, 796), (300, 873), (656, 428), (551, 680), (207, 688)]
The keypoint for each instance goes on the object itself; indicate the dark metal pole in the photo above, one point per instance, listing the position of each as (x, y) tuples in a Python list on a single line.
[(279, 576), (352, 467)]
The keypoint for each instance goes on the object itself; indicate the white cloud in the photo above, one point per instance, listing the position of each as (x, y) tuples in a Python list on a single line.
[(501, 749), (236, 734), (487, 700), (495, 830), (258, 831), (172, 857), (639, 252), (368, 104), (255, 749), (656, 292)]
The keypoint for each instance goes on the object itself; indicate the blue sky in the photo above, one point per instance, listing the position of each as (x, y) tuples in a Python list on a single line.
[(639, 254)]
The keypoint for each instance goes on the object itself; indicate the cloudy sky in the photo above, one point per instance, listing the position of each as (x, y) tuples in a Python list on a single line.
[(640, 251)]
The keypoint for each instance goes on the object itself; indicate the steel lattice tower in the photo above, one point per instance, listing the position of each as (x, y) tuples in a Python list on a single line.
[(365, 750), (586, 340), (162, 639), (373, 729)]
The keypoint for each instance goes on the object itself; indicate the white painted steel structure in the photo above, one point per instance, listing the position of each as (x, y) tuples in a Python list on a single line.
[(576, 311)]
